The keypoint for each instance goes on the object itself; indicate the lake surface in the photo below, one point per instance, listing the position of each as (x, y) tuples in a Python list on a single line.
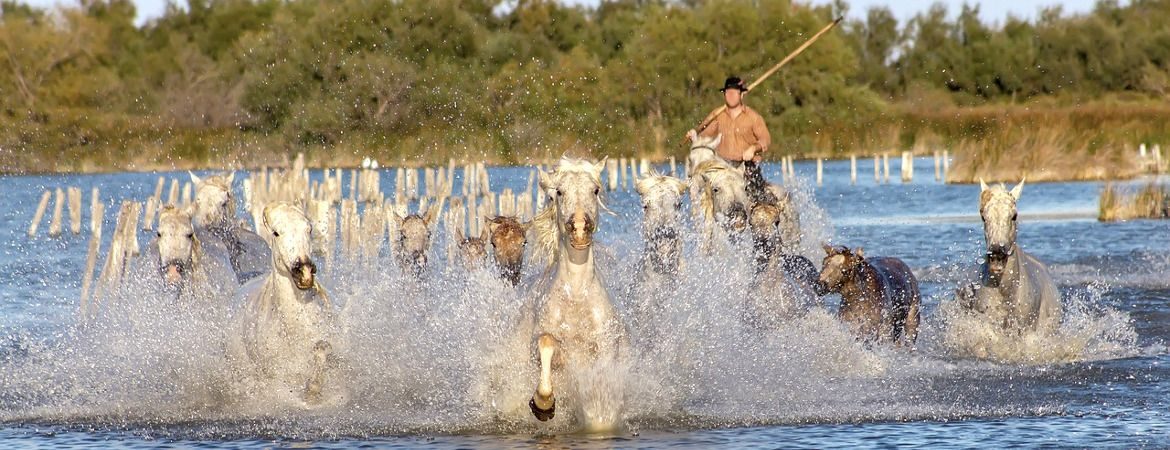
[(418, 366)]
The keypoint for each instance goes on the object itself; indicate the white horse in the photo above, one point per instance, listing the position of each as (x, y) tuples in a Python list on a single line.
[(177, 256), (1017, 291), (575, 323), (722, 201), (288, 316), (214, 213), (784, 284)]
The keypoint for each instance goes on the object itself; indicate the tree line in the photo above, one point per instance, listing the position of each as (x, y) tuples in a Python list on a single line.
[(508, 80)]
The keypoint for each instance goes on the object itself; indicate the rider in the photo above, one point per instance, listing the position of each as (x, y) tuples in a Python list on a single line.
[(745, 136)]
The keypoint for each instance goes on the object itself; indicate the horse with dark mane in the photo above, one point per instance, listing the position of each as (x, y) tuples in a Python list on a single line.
[(879, 296)]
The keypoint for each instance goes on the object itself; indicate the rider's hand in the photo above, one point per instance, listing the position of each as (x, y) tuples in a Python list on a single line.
[(750, 153), (692, 134)]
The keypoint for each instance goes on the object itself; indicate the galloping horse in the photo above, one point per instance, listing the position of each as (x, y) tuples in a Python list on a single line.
[(508, 237), (472, 250), (879, 296), (722, 201), (1017, 291), (413, 242), (215, 221), (181, 262), (661, 217), (287, 318), (575, 322), (784, 284)]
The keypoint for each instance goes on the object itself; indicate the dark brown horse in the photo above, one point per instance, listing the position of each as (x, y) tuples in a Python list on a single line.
[(508, 238), (879, 296)]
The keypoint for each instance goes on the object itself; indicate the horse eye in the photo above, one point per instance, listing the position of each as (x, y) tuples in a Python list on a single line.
[(596, 191), (276, 234), (776, 223), (159, 234), (714, 189), (558, 192), (190, 235), (1014, 216)]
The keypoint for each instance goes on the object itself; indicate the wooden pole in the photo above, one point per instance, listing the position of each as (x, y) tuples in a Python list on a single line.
[(39, 215), (95, 242), (711, 117), (58, 206), (820, 171), (853, 170), (75, 210)]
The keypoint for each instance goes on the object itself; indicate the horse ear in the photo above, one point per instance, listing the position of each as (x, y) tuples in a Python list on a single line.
[(860, 253), (599, 166), (642, 185), (1019, 189), (492, 226), (195, 178), (679, 185), (231, 178), (718, 139), (828, 248), (982, 185), (526, 225), (545, 180), (459, 234), (485, 231), (429, 216)]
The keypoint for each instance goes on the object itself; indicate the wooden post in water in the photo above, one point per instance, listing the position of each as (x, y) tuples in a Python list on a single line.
[(158, 187), (885, 168), (853, 170), (946, 164), (112, 270), (937, 166), (58, 206), (877, 169), (151, 208), (673, 168), (907, 167), (611, 169), (75, 210), (820, 171), (95, 241), (173, 194), (40, 214), (96, 208)]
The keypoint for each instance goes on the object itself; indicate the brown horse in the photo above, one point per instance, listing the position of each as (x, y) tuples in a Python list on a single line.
[(508, 237), (879, 296)]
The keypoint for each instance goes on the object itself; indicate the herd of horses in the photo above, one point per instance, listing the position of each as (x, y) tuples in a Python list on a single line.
[(570, 318)]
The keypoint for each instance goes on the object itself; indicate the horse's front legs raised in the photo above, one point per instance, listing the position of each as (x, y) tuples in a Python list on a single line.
[(317, 378), (543, 404)]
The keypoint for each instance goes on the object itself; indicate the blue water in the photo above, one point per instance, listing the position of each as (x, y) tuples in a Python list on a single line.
[(1114, 393)]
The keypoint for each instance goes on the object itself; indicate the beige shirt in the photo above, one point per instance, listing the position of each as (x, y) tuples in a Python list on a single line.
[(739, 133)]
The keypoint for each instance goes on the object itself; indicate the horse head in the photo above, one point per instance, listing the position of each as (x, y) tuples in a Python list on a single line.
[(839, 266), (215, 207), (724, 194), (703, 149), (414, 239), (177, 246), (661, 206), (574, 194), (508, 237), (997, 208), (288, 232), (472, 250)]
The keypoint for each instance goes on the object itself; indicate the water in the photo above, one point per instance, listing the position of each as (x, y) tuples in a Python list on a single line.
[(431, 364)]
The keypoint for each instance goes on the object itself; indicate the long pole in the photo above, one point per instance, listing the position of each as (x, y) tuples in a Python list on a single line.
[(711, 117)]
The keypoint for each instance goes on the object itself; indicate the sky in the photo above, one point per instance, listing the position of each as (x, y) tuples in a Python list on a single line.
[(990, 10)]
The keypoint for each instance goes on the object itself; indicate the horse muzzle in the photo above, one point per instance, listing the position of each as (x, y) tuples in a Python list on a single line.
[(993, 270), (581, 228), (303, 274), (174, 272)]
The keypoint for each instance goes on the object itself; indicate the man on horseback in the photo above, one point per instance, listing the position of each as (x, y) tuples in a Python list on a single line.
[(745, 136)]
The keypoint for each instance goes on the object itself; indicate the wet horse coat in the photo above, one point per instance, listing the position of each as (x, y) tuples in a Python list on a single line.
[(880, 299), (215, 223), (1016, 292)]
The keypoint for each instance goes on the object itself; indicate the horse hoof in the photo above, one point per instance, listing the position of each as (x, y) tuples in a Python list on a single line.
[(543, 415)]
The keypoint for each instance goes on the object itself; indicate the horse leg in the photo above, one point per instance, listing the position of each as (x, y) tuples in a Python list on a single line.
[(543, 404), (910, 324), (317, 379)]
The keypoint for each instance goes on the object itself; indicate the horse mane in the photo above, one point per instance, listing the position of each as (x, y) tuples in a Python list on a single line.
[(544, 224)]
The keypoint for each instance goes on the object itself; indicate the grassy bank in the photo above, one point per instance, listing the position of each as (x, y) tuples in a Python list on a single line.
[(996, 143), (1148, 202)]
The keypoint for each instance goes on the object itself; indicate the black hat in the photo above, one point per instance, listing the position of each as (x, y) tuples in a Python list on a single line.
[(734, 82)]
